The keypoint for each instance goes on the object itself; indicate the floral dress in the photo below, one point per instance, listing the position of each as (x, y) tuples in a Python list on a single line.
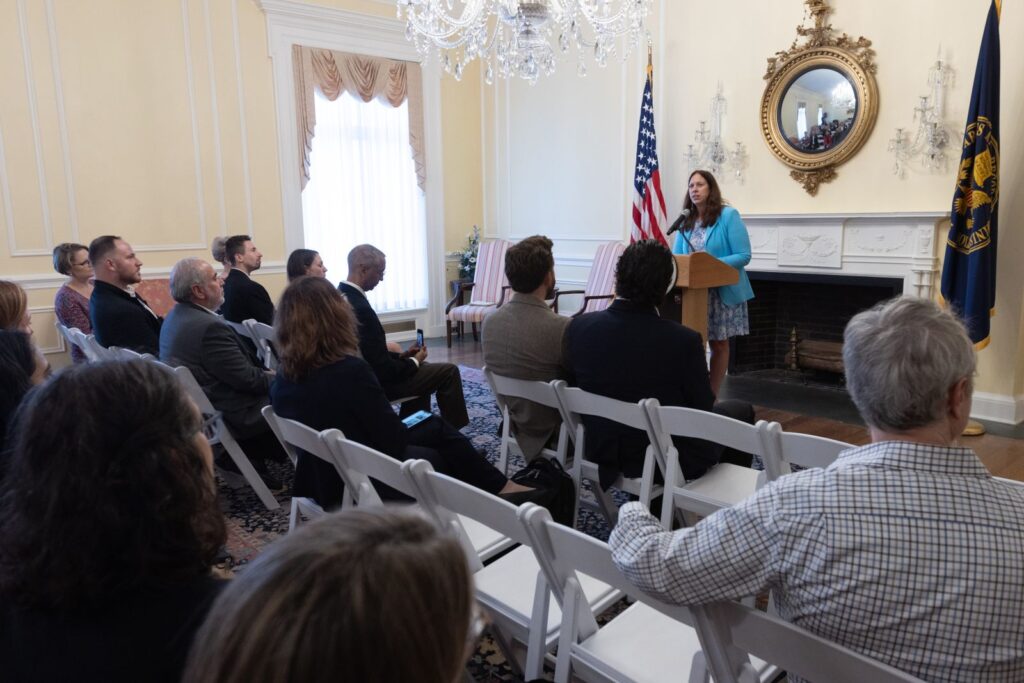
[(72, 310), (724, 321)]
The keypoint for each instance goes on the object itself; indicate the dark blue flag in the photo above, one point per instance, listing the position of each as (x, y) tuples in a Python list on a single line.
[(969, 272)]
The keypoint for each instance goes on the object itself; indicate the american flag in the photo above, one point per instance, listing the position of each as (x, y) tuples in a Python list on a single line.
[(648, 202)]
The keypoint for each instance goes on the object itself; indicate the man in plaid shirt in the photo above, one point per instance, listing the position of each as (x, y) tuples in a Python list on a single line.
[(905, 550)]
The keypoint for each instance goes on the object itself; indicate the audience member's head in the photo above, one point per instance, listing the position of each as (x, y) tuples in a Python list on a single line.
[(194, 281), (218, 250), (371, 596), (14, 313), (529, 264), (909, 364), (114, 261), (109, 489), (20, 369), (644, 273), (241, 253), (303, 262), (314, 326), (72, 259), (366, 264)]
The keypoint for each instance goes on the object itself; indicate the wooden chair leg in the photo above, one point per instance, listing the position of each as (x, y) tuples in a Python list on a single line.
[(476, 337), (448, 324)]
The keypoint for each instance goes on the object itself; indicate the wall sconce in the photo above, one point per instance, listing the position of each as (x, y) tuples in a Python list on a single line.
[(928, 144), (709, 151)]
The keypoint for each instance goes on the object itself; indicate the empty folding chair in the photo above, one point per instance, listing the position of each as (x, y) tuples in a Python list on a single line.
[(294, 435), (223, 436), (649, 641), (358, 464), (730, 630), (511, 588), (791, 448), (723, 485), (539, 392), (574, 403)]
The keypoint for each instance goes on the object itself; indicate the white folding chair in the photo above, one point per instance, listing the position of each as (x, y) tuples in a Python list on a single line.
[(723, 485), (223, 436), (240, 328), (649, 641), (71, 338), (357, 464), (790, 448), (86, 342), (539, 392), (511, 588), (119, 353), (730, 630), (294, 435), (574, 403), (263, 335)]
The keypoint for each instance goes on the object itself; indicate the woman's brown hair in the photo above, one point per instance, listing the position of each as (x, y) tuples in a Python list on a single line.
[(714, 206), (363, 595), (13, 305), (315, 326)]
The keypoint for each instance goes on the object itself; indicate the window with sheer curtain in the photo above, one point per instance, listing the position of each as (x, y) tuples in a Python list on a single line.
[(362, 189)]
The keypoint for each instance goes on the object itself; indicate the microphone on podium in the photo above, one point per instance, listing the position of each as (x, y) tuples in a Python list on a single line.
[(678, 222)]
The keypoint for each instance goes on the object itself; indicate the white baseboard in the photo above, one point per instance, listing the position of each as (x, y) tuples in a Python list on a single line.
[(998, 408)]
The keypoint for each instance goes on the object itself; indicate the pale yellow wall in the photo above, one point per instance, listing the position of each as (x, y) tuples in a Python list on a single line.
[(165, 118)]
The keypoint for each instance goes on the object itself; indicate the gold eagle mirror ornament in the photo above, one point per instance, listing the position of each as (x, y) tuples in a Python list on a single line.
[(821, 100)]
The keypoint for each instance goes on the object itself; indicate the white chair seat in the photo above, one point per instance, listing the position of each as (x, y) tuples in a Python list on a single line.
[(641, 644), (724, 485), (486, 541), (508, 586)]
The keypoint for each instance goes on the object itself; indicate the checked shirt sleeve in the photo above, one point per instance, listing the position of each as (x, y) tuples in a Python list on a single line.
[(729, 555)]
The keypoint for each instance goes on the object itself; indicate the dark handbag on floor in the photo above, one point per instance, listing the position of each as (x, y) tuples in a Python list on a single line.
[(555, 489)]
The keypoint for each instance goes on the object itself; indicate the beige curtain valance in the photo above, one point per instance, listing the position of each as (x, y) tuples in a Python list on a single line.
[(369, 78)]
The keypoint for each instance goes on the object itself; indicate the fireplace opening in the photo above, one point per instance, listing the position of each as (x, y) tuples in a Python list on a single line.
[(797, 322)]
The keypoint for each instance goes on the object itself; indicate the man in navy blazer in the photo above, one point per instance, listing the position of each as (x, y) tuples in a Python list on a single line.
[(400, 373), (120, 317), (244, 298), (629, 352), (195, 336)]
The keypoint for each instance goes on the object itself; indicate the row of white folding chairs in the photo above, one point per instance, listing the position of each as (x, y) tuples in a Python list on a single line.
[(86, 342), (648, 641)]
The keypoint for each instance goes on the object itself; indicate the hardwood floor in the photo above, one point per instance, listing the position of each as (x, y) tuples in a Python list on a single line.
[(1002, 455)]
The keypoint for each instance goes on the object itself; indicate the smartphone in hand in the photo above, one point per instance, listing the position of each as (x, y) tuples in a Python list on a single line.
[(419, 338)]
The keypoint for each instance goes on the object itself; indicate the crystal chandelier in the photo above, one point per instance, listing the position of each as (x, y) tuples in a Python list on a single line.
[(929, 142), (514, 38), (709, 152)]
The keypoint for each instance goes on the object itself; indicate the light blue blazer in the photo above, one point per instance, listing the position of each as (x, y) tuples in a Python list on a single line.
[(728, 241)]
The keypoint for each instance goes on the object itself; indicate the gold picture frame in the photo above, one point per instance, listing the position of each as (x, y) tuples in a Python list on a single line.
[(825, 61)]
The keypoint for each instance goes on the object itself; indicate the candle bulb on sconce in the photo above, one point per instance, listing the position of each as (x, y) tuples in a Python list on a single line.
[(709, 150), (928, 144)]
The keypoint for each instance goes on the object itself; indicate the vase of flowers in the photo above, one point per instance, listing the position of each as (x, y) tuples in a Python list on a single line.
[(467, 255)]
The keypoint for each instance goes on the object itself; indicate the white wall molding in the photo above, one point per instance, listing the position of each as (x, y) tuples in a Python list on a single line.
[(215, 115), (54, 280), (296, 23), (243, 126), (997, 407), (62, 120)]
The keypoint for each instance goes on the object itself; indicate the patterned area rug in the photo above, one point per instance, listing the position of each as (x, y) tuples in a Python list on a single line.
[(251, 526)]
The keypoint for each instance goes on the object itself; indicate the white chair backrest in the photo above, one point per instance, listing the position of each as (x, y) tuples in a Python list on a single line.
[(669, 421), (240, 328), (192, 388), (92, 349), (357, 463), (575, 402), (730, 629), (294, 435), (119, 353), (791, 448), (263, 335), (538, 392), (601, 280)]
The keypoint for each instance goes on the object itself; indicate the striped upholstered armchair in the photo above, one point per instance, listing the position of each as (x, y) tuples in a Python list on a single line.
[(487, 290), (600, 287)]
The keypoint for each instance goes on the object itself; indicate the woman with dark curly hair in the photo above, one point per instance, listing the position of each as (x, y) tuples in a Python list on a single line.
[(109, 526)]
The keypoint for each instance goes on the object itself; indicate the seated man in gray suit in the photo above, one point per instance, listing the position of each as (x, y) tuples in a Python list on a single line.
[(523, 339), (236, 383)]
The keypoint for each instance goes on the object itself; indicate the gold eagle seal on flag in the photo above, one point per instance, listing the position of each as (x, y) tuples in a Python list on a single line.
[(977, 188)]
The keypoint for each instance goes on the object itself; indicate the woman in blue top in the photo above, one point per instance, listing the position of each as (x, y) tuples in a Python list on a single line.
[(718, 230)]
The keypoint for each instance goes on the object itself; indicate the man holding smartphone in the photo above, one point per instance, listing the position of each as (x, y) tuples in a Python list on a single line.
[(400, 373)]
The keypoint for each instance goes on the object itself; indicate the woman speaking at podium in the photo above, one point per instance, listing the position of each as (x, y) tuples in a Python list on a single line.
[(717, 229)]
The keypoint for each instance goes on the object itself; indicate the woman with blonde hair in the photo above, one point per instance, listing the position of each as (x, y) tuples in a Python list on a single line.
[(72, 301), (373, 596), (322, 383)]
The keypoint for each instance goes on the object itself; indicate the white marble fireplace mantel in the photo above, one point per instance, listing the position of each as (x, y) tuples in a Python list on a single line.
[(890, 245)]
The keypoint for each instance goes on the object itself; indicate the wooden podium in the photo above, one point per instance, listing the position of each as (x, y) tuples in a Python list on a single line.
[(695, 274)]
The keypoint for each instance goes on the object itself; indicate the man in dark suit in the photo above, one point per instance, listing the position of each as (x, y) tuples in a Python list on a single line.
[(237, 385), (244, 298), (523, 339), (119, 316), (402, 373), (629, 352)]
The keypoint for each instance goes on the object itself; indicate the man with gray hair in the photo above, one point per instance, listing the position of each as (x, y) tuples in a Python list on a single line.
[(195, 336), (906, 550)]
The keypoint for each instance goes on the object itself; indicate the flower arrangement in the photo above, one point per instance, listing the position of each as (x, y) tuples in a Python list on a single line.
[(467, 255)]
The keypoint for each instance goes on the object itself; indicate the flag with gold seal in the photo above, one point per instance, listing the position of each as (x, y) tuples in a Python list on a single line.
[(969, 271)]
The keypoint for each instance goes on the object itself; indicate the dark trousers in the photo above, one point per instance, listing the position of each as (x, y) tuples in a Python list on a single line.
[(442, 379)]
